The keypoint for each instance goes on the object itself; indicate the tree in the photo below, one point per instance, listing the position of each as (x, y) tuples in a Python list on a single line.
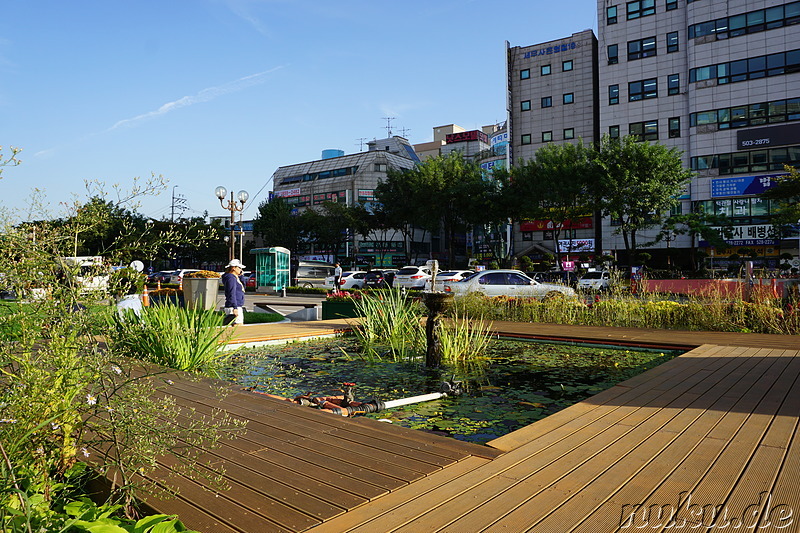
[(557, 186), (698, 225), (638, 181), (332, 225), (787, 195), (277, 225), (442, 193)]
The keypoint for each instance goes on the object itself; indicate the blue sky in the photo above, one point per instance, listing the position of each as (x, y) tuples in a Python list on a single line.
[(223, 92)]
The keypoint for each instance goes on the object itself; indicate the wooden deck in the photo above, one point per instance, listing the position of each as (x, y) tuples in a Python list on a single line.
[(712, 431)]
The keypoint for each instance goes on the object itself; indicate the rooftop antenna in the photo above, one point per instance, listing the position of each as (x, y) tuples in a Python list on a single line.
[(403, 132), (389, 124), (361, 143)]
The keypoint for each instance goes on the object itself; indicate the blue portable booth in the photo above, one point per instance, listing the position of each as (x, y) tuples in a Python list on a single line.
[(272, 269)]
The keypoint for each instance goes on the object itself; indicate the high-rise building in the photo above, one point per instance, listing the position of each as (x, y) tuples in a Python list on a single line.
[(553, 98), (717, 79)]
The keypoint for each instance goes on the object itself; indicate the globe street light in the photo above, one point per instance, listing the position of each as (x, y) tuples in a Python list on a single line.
[(233, 206)]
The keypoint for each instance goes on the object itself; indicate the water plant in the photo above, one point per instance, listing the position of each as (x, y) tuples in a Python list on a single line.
[(390, 327), (171, 336)]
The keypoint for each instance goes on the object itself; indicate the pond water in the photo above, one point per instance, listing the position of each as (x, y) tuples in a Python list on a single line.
[(515, 384)]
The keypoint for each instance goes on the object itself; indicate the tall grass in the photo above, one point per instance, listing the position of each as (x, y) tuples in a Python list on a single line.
[(463, 341), (390, 326), (714, 310), (171, 336)]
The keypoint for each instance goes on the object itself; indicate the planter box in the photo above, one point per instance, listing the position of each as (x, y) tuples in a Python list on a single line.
[(201, 293), (332, 310)]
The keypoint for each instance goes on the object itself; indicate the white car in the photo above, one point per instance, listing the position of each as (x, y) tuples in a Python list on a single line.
[(512, 283), (412, 277), (352, 279), (447, 276), (177, 276), (595, 281)]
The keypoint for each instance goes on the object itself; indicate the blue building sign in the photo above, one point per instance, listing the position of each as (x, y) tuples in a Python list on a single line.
[(722, 187), (551, 50)]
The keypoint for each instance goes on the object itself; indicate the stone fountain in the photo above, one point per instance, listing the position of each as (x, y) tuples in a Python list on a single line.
[(437, 303)]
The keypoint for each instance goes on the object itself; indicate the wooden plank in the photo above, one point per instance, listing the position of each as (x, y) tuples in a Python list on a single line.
[(450, 476)]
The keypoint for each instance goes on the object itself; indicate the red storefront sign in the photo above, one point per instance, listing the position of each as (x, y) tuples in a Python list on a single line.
[(544, 225)]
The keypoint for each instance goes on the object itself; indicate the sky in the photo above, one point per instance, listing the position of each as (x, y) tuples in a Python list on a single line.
[(223, 92)]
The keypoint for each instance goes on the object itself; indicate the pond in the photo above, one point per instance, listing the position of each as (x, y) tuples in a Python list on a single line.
[(515, 384)]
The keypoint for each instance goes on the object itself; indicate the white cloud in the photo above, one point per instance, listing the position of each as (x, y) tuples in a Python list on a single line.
[(204, 95)]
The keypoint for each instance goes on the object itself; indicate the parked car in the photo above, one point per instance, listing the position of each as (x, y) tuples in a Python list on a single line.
[(351, 279), (177, 275), (312, 273), (250, 280), (564, 277), (597, 280), (162, 275), (511, 283), (412, 277), (447, 276), (379, 279)]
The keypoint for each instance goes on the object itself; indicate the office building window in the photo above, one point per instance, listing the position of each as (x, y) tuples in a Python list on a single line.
[(750, 22), (641, 48), (613, 54), (744, 162), (566, 65), (613, 94), (673, 84), (547, 136), (641, 8), (672, 4), (611, 15), (545, 70), (569, 133), (749, 69), (547, 101), (643, 90), (526, 138), (525, 105), (644, 131), (613, 132), (674, 127), (749, 115), (525, 74), (672, 42), (569, 98)]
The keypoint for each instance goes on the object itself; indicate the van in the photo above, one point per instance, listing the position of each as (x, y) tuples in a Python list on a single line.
[(89, 272), (312, 273), (598, 280)]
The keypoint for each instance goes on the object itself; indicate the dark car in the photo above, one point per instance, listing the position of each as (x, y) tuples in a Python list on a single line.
[(379, 279), (562, 277)]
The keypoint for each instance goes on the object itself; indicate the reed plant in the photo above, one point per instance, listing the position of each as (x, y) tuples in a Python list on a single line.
[(390, 326), (171, 336), (713, 310), (464, 342)]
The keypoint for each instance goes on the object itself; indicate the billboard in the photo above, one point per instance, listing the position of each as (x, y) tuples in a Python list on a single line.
[(722, 187)]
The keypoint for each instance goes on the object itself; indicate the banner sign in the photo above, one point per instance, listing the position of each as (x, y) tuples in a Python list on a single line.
[(286, 193), (543, 225), (782, 135), (474, 135), (759, 235), (721, 187), (575, 246)]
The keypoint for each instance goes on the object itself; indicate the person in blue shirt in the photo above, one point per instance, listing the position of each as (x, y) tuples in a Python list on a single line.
[(234, 293)]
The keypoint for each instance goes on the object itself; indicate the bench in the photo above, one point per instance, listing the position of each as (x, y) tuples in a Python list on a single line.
[(309, 311)]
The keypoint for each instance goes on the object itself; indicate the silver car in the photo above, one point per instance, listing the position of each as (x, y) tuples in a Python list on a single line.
[(512, 283)]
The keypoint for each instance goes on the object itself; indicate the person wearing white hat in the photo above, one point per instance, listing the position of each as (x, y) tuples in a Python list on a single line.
[(234, 293)]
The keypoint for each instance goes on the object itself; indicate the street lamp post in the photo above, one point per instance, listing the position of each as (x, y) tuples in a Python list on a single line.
[(233, 206), (669, 237)]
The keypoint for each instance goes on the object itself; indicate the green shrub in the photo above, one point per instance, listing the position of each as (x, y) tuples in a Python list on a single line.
[(171, 336)]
